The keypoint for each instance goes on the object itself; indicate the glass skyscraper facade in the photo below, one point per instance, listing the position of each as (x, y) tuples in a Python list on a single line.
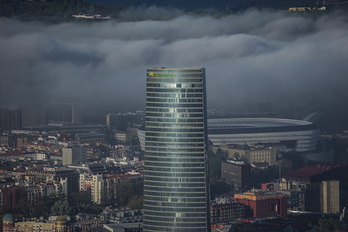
[(176, 192)]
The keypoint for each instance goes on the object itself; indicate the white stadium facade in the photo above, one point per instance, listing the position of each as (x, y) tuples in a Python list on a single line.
[(298, 135)]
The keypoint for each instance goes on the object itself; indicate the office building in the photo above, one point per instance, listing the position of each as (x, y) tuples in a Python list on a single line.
[(236, 173), (74, 155), (91, 137), (175, 175), (263, 203)]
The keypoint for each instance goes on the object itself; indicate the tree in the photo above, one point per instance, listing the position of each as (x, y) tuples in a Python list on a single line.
[(41, 206), (219, 188), (214, 168), (80, 198), (215, 164), (60, 208), (292, 161), (24, 206), (259, 176), (136, 202), (221, 153), (129, 190), (330, 223)]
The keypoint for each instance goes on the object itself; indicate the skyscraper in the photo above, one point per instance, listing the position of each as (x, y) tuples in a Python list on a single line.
[(63, 112), (176, 192), (14, 84)]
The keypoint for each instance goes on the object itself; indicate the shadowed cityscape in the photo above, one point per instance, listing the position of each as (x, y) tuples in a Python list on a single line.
[(173, 115)]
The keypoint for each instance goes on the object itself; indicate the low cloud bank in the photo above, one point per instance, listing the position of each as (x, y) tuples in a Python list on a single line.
[(255, 55)]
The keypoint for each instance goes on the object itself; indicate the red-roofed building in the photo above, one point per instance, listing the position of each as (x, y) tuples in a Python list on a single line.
[(318, 172), (319, 182), (263, 203)]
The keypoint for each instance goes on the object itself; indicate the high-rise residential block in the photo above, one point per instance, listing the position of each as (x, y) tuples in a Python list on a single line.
[(176, 192), (330, 195), (63, 113)]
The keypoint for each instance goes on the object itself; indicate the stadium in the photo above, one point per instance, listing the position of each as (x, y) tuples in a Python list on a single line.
[(288, 134)]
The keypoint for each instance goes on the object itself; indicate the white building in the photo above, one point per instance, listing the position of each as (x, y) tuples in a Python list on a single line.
[(20, 155), (96, 188)]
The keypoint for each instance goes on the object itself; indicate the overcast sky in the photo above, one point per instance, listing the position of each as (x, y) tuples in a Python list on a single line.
[(254, 55)]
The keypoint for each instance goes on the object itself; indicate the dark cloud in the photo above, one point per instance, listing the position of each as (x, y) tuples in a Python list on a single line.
[(254, 55)]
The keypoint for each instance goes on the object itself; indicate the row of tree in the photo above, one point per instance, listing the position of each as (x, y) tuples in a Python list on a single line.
[(44, 206)]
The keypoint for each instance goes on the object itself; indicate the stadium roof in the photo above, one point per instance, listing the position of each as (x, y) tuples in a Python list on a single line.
[(257, 125)]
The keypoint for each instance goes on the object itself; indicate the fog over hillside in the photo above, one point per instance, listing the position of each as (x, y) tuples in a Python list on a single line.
[(252, 55)]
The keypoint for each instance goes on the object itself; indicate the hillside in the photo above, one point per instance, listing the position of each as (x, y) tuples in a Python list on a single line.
[(37, 9), (222, 5), (227, 5)]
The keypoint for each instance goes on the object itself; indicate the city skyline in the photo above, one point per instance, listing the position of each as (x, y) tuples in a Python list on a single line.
[(68, 161)]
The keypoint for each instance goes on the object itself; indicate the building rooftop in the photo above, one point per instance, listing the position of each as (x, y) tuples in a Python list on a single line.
[(15, 153), (8, 217), (257, 194), (236, 161), (122, 175), (178, 68), (314, 169), (257, 125)]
